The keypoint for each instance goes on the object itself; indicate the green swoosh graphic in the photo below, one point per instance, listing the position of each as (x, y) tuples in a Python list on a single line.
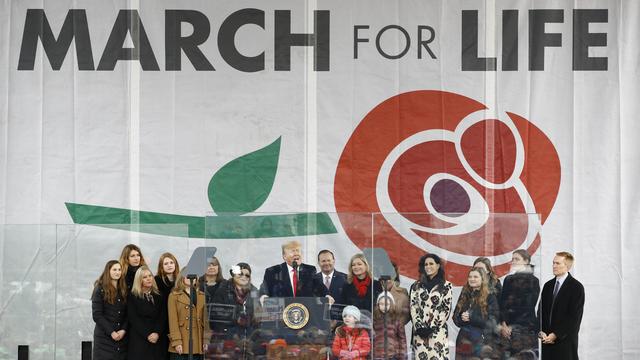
[(210, 227)]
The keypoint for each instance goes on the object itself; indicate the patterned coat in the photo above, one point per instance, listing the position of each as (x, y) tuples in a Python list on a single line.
[(431, 310)]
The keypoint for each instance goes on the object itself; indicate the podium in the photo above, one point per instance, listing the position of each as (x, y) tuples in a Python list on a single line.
[(293, 316), (296, 327)]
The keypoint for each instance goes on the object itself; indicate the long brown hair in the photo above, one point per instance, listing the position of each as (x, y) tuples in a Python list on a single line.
[(104, 281), (491, 274), (466, 299), (124, 257), (214, 261), (161, 273)]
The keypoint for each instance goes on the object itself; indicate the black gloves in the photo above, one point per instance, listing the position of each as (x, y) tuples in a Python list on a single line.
[(423, 332)]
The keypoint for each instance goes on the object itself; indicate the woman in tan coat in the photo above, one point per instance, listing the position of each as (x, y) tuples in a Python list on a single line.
[(178, 309)]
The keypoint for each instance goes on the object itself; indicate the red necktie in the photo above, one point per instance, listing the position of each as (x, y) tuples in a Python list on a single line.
[(295, 281)]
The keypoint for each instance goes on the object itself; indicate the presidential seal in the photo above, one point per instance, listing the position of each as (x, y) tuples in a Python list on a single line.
[(295, 316)]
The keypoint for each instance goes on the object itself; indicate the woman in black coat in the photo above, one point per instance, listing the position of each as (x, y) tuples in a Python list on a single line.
[(212, 278), (109, 311), (237, 292), (360, 288), (476, 314), (519, 327), (146, 310), (211, 281), (168, 269)]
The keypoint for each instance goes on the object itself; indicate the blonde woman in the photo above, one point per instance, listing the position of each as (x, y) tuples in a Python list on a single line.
[(361, 289), (179, 313), (145, 309)]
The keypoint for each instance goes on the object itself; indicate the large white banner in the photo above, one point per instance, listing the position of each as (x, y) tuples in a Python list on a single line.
[(430, 123)]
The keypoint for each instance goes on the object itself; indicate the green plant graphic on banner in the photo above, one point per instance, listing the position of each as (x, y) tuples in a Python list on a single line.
[(238, 188), (242, 185)]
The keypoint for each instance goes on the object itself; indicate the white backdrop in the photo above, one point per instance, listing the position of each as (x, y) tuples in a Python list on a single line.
[(138, 139)]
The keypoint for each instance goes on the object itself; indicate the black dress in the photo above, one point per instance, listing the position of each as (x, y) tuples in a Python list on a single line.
[(164, 286), (108, 318), (146, 317)]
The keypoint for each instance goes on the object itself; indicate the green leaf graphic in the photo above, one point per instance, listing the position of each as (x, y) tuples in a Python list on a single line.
[(243, 184)]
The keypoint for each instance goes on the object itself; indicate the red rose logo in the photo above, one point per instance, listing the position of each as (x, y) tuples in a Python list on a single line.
[(439, 176)]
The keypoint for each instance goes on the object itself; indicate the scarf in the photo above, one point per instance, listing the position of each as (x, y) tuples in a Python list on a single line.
[(149, 297), (240, 295), (361, 285), (429, 284)]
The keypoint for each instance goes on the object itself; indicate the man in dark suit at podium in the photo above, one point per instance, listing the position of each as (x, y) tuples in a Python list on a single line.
[(560, 311), (292, 278), (332, 279)]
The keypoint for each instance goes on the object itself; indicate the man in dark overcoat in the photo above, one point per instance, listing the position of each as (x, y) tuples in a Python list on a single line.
[(560, 311)]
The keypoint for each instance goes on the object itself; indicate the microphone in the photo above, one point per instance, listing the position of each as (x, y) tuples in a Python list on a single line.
[(294, 265), (194, 292)]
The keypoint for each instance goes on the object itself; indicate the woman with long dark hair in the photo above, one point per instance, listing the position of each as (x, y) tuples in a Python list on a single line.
[(430, 304), (240, 295), (146, 310), (131, 259), (109, 310), (168, 269), (179, 313), (212, 278), (476, 315)]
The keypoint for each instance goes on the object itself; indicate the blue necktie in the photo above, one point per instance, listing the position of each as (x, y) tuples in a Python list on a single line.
[(555, 289)]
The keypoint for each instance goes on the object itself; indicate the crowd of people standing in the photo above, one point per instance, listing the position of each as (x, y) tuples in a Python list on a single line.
[(142, 316)]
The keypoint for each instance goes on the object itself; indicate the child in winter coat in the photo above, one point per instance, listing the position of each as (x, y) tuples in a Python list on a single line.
[(351, 342), (396, 337)]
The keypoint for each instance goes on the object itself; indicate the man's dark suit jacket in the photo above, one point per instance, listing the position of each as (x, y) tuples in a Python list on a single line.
[(337, 282), (277, 282), (561, 317)]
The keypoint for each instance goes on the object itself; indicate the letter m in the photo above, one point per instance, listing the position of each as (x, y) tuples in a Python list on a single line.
[(36, 26)]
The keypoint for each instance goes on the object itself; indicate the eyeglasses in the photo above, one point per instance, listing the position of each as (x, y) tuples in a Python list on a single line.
[(245, 275)]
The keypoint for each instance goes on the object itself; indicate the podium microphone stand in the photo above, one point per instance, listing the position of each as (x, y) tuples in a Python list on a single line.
[(384, 279), (193, 300)]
